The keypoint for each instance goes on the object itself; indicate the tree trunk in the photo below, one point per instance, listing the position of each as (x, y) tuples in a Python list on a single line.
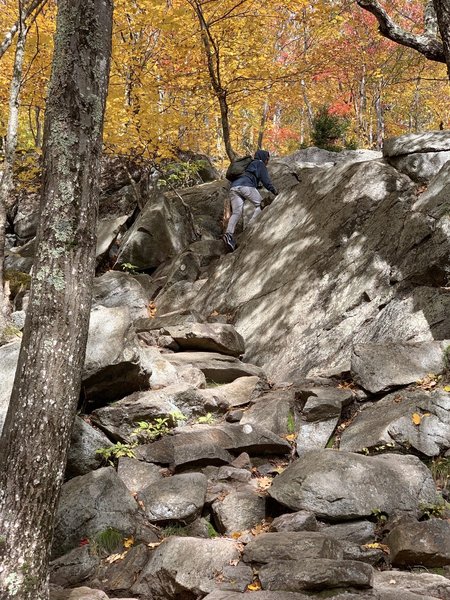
[(309, 109), (214, 69), (6, 180), (262, 124), (37, 429), (380, 116), (442, 10)]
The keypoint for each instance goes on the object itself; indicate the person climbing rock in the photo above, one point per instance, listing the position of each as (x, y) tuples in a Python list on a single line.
[(245, 188)]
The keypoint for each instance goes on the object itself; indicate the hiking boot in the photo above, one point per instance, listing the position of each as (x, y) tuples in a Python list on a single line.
[(229, 242)]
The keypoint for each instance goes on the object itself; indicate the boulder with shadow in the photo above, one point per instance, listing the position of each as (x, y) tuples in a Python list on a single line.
[(412, 418), (85, 441), (340, 486), (418, 155), (424, 543), (191, 567), (91, 504), (176, 498), (380, 367), (163, 229), (115, 288), (112, 369)]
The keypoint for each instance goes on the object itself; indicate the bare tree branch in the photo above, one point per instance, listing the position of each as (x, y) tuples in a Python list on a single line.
[(33, 9), (427, 44)]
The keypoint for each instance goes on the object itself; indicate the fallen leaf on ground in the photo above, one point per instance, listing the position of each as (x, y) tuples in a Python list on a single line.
[(112, 558), (264, 483), (378, 546), (154, 545), (416, 418), (254, 587)]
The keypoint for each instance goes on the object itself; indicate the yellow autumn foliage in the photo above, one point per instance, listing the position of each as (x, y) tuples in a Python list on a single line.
[(279, 62)]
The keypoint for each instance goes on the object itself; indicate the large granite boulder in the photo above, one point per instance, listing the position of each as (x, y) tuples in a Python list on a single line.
[(177, 296), (380, 367), (115, 288), (84, 442), (191, 567), (270, 547), (313, 157), (347, 254), (274, 411), (136, 474), (218, 368), (315, 574), (421, 585), (204, 444), (301, 520), (435, 199), (107, 231), (409, 419), (418, 155), (426, 543), (112, 369), (239, 392), (76, 566), (206, 204), (121, 418), (177, 498), (118, 577), (320, 413), (208, 337), (21, 258), (89, 505), (240, 510), (163, 229), (342, 486), (27, 215)]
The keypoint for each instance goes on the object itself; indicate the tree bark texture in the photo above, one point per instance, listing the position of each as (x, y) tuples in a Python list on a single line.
[(37, 430)]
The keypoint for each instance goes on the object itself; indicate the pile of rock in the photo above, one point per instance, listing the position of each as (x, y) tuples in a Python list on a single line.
[(306, 477)]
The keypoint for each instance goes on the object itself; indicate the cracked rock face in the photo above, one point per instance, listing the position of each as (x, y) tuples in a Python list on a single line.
[(345, 254)]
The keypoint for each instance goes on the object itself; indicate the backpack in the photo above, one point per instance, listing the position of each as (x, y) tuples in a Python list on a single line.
[(238, 167)]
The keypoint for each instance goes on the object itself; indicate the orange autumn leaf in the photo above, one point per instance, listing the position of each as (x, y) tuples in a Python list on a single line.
[(254, 587), (416, 418)]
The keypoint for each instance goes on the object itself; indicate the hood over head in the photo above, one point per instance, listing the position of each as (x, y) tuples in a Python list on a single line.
[(262, 155)]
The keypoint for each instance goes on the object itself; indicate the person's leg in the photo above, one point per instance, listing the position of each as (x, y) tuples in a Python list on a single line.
[(237, 204), (255, 198)]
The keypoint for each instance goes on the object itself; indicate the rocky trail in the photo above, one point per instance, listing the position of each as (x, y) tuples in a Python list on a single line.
[(272, 422)]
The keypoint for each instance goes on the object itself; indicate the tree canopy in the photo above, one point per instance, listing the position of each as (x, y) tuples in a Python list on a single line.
[(276, 64)]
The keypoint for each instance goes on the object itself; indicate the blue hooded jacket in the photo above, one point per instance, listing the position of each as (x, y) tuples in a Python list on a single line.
[(255, 173)]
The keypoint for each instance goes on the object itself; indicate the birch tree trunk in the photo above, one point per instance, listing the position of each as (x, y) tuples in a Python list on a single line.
[(26, 9), (36, 434), (6, 178)]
